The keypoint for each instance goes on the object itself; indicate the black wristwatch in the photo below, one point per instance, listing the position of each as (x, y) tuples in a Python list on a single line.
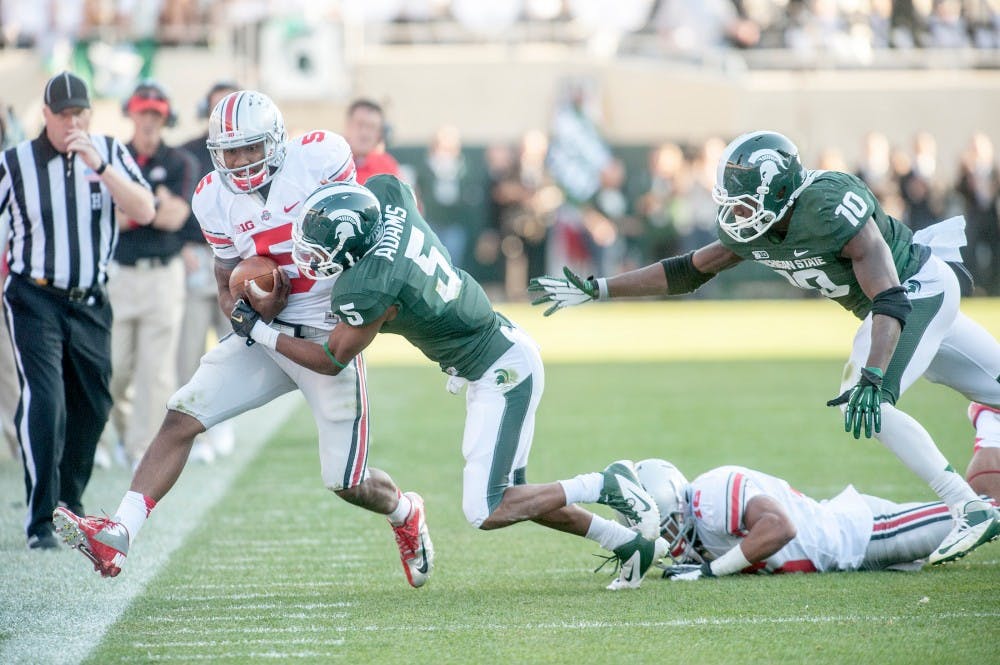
[(100, 169)]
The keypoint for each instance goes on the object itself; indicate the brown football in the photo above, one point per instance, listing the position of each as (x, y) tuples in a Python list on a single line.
[(257, 269)]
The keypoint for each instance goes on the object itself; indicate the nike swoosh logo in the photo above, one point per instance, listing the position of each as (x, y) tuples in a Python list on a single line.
[(238, 318), (633, 491), (291, 207), (113, 535), (631, 567), (798, 253), (423, 567)]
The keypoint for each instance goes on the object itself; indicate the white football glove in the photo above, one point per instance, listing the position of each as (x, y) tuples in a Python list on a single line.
[(455, 384), (563, 292)]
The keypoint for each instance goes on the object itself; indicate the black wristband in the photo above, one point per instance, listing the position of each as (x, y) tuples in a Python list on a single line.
[(100, 169), (682, 276), (893, 302)]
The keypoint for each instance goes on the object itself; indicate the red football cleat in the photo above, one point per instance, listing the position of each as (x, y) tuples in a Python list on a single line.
[(414, 541), (103, 541)]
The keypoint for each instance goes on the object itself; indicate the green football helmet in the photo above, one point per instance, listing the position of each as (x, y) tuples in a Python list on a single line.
[(338, 224), (758, 178)]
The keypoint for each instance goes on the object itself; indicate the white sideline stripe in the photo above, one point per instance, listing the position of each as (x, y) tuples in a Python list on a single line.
[(307, 641), (80, 605), (241, 655), (674, 623)]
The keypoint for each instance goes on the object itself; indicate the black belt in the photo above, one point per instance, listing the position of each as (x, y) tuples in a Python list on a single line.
[(146, 262), (92, 296), (299, 330)]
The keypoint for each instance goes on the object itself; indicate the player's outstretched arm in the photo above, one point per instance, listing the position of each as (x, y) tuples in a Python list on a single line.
[(673, 276)]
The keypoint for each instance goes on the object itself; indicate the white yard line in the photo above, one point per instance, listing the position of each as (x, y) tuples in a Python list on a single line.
[(55, 609)]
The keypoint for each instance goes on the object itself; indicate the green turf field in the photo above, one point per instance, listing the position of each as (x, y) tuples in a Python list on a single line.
[(276, 568)]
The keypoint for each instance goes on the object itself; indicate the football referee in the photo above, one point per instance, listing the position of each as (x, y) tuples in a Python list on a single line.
[(64, 191)]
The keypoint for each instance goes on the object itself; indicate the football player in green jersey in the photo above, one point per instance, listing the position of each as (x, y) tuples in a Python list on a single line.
[(825, 230), (393, 275)]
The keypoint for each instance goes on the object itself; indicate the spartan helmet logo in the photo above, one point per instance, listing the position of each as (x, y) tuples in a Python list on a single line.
[(771, 164), (346, 229)]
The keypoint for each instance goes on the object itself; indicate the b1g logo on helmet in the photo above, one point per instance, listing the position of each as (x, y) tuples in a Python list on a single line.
[(770, 163)]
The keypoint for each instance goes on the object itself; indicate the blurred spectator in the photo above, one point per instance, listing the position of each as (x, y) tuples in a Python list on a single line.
[(202, 314), (451, 194), (526, 199), (656, 207), (922, 197), (831, 158), (146, 330), (945, 26), (503, 194), (365, 131), (983, 17), (696, 27), (875, 169), (979, 189), (577, 160), (606, 218)]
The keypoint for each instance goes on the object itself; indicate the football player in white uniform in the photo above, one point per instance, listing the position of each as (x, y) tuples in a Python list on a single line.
[(246, 207), (736, 520)]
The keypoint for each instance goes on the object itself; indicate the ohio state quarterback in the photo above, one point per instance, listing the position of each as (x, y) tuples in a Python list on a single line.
[(246, 207)]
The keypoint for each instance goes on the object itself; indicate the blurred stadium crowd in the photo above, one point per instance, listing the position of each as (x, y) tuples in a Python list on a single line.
[(845, 27), (511, 210)]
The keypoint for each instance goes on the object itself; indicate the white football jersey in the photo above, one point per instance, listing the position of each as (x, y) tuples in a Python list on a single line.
[(241, 225), (832, 535)]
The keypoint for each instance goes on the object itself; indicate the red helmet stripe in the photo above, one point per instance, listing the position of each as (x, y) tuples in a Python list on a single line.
[(229, 111)]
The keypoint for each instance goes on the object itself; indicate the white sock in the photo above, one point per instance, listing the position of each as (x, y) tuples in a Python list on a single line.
[(911, 443), (952, 488), (585, 488), (608, 533), (398, 516), (133, 511)]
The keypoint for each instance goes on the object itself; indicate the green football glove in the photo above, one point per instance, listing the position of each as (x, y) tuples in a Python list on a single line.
[(573, 290), (864, 404)]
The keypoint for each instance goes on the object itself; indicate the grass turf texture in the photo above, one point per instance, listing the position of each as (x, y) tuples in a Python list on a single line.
[(280, 569)]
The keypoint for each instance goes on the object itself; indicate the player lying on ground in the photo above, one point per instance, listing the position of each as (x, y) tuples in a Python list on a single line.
[(395, 276), (825, 230), (736, 520)]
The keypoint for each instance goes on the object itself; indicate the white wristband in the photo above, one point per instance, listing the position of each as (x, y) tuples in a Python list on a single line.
[(731, 562), (602, 288), (265, 334)]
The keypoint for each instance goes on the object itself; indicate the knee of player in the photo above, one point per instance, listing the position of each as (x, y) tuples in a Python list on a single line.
[(476, 516)]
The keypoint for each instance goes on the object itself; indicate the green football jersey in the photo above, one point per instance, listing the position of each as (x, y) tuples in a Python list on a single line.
[(442, 310), (830, 211)]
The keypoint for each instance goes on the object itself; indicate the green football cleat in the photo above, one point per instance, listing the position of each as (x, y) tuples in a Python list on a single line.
[(624, 492), (635, 558), (978, 523)]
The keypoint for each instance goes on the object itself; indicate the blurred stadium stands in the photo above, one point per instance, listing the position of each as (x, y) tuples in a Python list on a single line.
[(659, 72)]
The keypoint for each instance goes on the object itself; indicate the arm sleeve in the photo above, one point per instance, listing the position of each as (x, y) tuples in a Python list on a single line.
[(122, 159)]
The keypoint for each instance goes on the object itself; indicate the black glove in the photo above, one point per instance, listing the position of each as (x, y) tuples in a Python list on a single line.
[(864, 403), (242, 318), (687, 572)]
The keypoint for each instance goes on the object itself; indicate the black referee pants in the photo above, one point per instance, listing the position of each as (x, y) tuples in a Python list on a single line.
[(63, 359)]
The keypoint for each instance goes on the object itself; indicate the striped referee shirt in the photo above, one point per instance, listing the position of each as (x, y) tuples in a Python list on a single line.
[(63, 226)]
